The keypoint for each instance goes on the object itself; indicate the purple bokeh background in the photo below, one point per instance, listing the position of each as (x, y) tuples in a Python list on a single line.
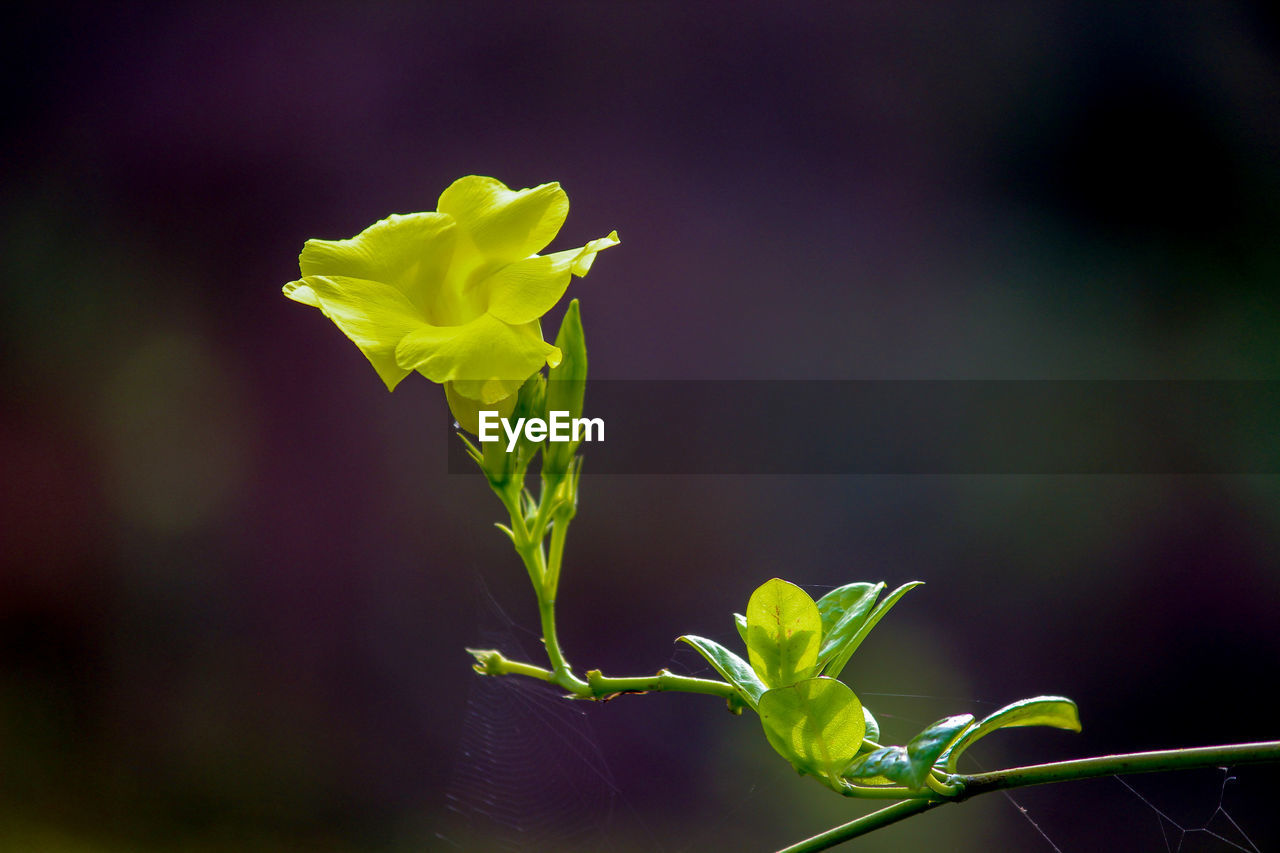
[(236, 580)]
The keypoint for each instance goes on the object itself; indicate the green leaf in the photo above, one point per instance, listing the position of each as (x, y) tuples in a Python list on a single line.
[(816, 724), (732, 668), (886, 765), (783, 632), (910, 765), (873, 727), (843, 610), (507, 530), (841, 655), (472, 450), (740, 622), (1056, 711), (927, 747)]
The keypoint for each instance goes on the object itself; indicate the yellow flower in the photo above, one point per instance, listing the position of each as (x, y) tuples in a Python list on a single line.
[(455, 294)]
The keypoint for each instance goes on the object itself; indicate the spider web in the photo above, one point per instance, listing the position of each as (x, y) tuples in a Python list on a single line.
[(1220, 826), (1140, 820), (529, 773)]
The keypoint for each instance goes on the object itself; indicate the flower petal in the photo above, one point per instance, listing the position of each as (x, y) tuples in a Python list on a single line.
[(486, 359), (525, 290), (301, 292), (587, 254), (374, 315), (411, 252), (502, 224)]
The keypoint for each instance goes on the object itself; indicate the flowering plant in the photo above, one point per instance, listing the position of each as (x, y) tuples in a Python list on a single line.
[(455, 294)]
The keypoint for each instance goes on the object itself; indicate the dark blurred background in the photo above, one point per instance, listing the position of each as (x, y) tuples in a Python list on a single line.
[(236, 579)]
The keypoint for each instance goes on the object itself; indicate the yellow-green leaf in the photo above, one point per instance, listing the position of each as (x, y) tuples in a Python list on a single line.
[(816, 724), (784, 629)]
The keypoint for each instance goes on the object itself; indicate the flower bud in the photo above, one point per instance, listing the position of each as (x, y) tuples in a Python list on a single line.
[(566, 388), (531, 403)]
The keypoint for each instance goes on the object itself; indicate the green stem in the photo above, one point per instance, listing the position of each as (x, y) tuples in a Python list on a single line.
[(881, 792), (527, 540), (529, 548), (555, 556), (1043, 774), (597, 685), (603, 686), (867, 823), (492, 662), (539, 528), (549, 510), (564, 673), (1115, 765)]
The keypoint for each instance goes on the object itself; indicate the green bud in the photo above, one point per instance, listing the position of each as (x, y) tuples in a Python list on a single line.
[(532, 403), (500, 466), (566, 492), (507, 469), (566, 388)]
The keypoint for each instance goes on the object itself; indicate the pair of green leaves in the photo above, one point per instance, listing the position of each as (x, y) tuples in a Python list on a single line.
[(845, 616), (795, 649), (940, 745)]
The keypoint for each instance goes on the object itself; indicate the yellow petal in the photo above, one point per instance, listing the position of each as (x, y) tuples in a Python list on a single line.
[(411, 252), (300, 292), (374, 315), (587, 254), (522, 292), (525, 290), (502, 224), (486, 359)]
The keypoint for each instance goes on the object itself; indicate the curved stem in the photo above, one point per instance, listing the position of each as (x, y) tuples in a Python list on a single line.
[(942, 787), (1043, 774)]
